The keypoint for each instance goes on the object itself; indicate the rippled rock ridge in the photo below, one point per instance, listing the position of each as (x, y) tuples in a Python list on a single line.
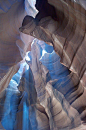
[(42, 65)]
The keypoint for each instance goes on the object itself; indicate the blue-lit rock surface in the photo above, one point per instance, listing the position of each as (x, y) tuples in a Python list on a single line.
[(37, 92), (13, 45)]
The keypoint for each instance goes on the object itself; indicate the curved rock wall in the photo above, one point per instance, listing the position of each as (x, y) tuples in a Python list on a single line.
[(44, 95)]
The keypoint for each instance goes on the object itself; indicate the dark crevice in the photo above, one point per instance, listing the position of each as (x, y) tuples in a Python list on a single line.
[(45, 9)]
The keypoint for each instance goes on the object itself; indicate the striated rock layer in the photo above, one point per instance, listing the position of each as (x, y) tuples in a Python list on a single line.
[(13, 45), (44, 95), (65, 32)]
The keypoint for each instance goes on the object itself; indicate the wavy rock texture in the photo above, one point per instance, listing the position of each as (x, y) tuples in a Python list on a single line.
[(12, 13), (57, 108), (45, 95), (47, 109), (66, 32)]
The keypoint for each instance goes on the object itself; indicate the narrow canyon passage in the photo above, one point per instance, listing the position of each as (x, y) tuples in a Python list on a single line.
[(42, 65)]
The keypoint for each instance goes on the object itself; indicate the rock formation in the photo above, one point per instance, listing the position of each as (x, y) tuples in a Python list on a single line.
[(47, 89)]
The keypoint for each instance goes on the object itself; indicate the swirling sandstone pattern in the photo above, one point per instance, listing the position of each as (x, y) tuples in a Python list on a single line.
[(57, 108), (66, 32), (47, 96), (13, 45)]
